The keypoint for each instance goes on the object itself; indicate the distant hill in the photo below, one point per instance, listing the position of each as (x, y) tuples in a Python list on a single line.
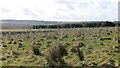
[(30, 22), (24, 23), (10, 24)]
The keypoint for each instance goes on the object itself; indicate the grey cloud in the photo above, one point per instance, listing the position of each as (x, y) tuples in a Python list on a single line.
[(64, 1), (85, 5), (106, 5), (28, 12), (5, 10), (70, 4), (70, 16), (76, 5)]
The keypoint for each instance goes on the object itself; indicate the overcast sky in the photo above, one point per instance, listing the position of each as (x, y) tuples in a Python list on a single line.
[(82, 10)]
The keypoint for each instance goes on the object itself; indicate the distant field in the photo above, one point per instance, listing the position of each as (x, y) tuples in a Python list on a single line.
[(23, 30), (101, 46)]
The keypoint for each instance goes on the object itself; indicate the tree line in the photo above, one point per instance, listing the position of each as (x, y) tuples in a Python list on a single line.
[(80, 25)]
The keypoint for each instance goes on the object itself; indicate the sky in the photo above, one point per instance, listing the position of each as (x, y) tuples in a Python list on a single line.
[(60, 10)]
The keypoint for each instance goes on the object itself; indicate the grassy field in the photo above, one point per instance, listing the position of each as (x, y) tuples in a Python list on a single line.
[(101, 46)]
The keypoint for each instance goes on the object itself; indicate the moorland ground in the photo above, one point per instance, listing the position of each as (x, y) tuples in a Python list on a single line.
[(101, 46)]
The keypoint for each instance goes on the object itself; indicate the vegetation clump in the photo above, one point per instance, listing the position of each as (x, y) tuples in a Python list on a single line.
[(36, 50), (56, 55)]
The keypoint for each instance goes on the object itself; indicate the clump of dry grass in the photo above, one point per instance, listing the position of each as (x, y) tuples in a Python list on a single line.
[(107, 65), (20, 44), (67, 44), (55, 37), (2, 42), (14, 42), (51, 63), (36, 50), (102, 39), (80, 44), (15, 54), (56, 54), (11, 39), (20, 40), (9, 42), (75, 49), (4, 45), (3, 58), (80, 55), (41, 39), (76, 46), (73, 39)]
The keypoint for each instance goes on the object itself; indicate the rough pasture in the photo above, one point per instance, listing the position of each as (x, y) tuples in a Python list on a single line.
[(101, 46)]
